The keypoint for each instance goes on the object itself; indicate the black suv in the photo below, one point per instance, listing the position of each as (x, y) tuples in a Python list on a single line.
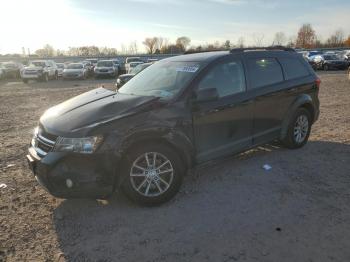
[(176, 113)]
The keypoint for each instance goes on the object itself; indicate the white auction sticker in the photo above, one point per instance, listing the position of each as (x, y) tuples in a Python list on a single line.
[(188, 69)]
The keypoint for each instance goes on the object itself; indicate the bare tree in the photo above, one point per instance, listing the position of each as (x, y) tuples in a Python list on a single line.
[(227, 45), (336, 39), (280, 39), (306, 36), (241, 42), (151, 44), (183, 42), (258, 39), (46, 51), (133, 49)]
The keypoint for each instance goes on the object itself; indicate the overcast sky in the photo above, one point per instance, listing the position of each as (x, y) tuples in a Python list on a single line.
[(64, 23)]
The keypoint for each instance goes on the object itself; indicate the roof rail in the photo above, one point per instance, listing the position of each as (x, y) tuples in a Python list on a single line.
[(269, 48), (202, 51)]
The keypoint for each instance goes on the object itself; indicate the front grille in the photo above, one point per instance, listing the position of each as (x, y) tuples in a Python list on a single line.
[(44, 142)]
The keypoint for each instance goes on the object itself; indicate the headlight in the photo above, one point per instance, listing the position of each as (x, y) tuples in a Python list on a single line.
[(85, 145)]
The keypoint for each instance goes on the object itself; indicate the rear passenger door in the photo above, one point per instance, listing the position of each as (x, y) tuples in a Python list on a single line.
[(266, 82)]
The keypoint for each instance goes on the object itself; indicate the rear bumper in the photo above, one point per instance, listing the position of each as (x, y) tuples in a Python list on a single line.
[(70, 175)]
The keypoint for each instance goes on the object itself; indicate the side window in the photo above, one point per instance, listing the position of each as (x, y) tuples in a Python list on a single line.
[(264, 71), (293, 68), (228, 78)]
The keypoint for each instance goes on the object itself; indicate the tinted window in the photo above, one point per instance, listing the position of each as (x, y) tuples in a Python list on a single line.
[(293, 68), (264, 71), (228, 78)]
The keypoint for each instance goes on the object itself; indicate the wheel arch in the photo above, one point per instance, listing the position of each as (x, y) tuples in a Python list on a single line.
[(303, 101), (177, 141)]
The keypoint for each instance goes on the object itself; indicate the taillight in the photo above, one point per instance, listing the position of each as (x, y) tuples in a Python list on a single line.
[(318, 82)]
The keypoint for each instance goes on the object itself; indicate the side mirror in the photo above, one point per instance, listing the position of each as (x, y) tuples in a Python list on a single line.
[(206, 95)]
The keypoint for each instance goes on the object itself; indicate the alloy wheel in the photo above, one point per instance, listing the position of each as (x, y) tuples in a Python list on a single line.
[(151, 174), (301, 129)]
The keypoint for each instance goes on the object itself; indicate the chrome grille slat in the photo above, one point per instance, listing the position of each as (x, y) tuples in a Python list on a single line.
[(42, 144)]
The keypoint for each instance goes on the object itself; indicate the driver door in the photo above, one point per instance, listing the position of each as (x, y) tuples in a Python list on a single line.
[(225, 125)]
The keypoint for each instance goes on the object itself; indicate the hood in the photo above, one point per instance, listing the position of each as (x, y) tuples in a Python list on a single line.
[(90, 109), (33, 68), (73, 70)]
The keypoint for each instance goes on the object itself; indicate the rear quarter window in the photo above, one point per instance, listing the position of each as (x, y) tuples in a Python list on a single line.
[(264, 72), (293, 68)]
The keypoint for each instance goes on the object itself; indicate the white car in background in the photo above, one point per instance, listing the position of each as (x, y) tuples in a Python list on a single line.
[(129, 60), (132, 65), (75, 71), (41, 70)]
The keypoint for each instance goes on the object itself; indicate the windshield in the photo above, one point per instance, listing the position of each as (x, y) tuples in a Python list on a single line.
[(75, 66), (163, 79), (134, 59), (38, 63), (105, 64), (138, 69)]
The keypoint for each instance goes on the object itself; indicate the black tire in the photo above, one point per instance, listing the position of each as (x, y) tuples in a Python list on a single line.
[(25, 81), (291, 141), (129, 184), (325, 67)]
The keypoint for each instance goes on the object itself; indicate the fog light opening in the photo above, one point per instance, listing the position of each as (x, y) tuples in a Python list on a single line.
[(69, 183)]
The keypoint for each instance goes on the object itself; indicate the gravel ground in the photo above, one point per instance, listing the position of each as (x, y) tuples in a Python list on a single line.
[(227, 210)]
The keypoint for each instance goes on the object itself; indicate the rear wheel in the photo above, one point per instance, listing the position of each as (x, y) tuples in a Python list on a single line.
[(299, 129), (25, 81), (152, 174)]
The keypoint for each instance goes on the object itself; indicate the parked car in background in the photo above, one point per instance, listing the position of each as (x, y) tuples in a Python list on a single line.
[(117, 63), (41, 70), (2, 75), (93, 61), (75, 71), (129, 60), (105, 68), (122, 79), (179, 112), (60, 68), (89, 67), (327, 62), (12, 69), (132, 65)]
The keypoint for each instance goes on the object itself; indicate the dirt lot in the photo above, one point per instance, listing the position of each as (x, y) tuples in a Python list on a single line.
[(230, 210)]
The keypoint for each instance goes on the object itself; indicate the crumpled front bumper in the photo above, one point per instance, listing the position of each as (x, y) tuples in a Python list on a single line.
[(72, 175)]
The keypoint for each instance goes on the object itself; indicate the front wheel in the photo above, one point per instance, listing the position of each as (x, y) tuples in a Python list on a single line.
[(325, 67), (299, 129), (152, 174)]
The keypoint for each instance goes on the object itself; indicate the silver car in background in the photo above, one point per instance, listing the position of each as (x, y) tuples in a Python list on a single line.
[(106, 68), (60, 68), (132, 65), (75, 71)]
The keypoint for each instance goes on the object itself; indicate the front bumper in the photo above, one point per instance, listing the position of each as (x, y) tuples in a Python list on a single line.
[(104, 74), (31, 76), (72, 175), (73, 76)]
